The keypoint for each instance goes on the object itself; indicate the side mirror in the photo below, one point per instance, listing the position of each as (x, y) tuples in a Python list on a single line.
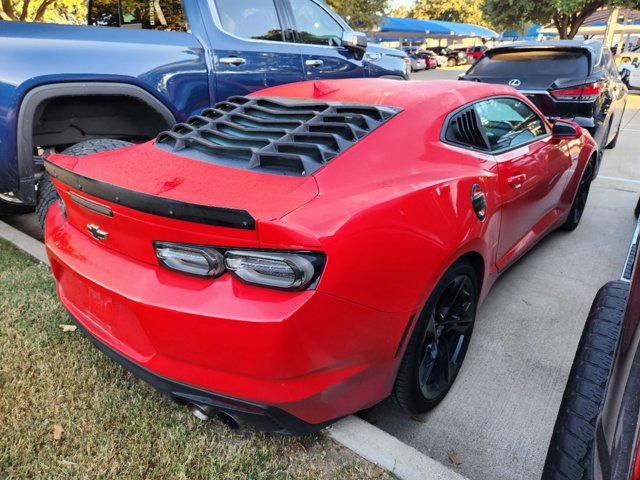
[(355, 42), (566, 129)]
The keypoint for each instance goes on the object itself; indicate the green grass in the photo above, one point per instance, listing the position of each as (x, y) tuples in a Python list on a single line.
[(115, 426)]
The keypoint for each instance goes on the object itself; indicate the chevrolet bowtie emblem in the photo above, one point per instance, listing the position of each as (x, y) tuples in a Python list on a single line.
[(96, 232)]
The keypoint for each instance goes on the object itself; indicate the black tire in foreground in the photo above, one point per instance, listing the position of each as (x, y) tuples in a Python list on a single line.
[(47, 194), (439, 341), (580, 200), (570, 454)]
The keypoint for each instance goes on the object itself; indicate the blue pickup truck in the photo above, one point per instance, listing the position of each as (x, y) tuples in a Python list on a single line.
[(140, 66)]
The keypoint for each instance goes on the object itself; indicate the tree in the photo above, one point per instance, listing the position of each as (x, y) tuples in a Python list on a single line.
[(400, 12), (465, 11), (566, 15), (58, 11), (360, 14)]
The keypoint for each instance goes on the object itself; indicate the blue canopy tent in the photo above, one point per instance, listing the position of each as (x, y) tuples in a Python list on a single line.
[(393, 27), (532, 34)]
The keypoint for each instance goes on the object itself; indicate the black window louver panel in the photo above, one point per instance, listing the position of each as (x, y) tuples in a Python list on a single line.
[(273, 135), (464, 129)]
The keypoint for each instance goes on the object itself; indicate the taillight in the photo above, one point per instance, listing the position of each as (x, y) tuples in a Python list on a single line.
[(269, 268), (635, 473), (582, 93)]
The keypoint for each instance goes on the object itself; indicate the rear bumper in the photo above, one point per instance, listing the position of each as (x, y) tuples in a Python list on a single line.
[(296, 359), (263, 417)]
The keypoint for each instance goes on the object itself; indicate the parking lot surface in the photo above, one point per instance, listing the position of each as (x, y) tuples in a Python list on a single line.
[(498, 417)]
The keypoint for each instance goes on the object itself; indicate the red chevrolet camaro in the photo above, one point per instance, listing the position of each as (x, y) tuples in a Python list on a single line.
[(296, 255)]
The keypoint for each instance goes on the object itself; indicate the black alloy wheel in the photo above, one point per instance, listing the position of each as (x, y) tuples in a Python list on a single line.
[(446, 337), (439, 341), (580, 201)]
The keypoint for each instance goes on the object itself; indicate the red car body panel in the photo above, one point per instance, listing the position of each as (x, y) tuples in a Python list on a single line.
[(391, 213)]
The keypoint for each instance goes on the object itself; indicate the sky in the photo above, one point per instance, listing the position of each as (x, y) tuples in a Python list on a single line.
[(397, 3)]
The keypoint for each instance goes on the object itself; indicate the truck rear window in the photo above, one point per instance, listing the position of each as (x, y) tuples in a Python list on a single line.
[(142, 14), (543, 62)]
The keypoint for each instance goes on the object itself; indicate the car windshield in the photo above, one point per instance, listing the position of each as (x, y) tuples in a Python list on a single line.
[(556, 63)]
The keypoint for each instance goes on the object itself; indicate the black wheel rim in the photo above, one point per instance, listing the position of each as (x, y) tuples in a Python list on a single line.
[(582, 193), (446, 338)]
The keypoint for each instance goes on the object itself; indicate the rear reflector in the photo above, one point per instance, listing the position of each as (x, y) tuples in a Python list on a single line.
[(635, 473), (582, 93)]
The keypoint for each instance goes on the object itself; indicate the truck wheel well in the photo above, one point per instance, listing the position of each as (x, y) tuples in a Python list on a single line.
[(62, 114), (63, 121)]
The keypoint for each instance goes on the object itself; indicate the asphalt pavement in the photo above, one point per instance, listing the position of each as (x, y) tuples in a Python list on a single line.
[(498, 417)]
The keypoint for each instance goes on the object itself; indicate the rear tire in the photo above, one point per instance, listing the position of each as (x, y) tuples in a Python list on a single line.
[(439, 341), (612, 144), (47, 194), (451, 62), (580, 200), (570, 454)]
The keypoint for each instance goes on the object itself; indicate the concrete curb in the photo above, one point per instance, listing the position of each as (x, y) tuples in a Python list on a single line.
[(388, 452), (24, 242), (359, 436)]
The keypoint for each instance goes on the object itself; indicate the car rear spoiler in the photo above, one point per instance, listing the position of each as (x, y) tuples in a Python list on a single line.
[(152, 204)]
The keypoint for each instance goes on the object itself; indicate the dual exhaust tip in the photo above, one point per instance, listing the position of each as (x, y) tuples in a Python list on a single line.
[(205, 412)]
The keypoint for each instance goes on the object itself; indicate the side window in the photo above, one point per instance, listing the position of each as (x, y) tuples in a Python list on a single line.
[(508, 122), (255, 19), (146, 14), (315, 25)]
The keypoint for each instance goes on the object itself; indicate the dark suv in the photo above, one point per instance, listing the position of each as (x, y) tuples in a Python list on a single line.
[(570, 79), (596, 432)]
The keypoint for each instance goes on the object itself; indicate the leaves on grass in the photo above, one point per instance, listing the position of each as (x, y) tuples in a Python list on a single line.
[(454, 459), (68, 328), (418, 419), (57, 431)]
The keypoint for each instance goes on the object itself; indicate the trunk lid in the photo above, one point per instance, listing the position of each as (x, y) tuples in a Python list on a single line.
[(141, 194)]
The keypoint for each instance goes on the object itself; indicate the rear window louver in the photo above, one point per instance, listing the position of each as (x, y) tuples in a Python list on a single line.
[(273, 135), (464, 129)]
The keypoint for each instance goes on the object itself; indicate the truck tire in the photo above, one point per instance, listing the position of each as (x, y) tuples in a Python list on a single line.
[(47, 194), (570, 454)]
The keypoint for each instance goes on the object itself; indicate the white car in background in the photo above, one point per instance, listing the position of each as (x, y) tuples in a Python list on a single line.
[(441, 59), (629, 71)]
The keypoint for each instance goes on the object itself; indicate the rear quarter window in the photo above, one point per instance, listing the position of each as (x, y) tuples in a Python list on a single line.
[(552, 63)]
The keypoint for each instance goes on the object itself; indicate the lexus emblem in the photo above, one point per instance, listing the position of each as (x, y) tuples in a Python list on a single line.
[(514, 83)]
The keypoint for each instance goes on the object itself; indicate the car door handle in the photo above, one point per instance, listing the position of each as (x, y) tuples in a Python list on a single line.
[(232, 61), (517, 180), (314, 63)]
